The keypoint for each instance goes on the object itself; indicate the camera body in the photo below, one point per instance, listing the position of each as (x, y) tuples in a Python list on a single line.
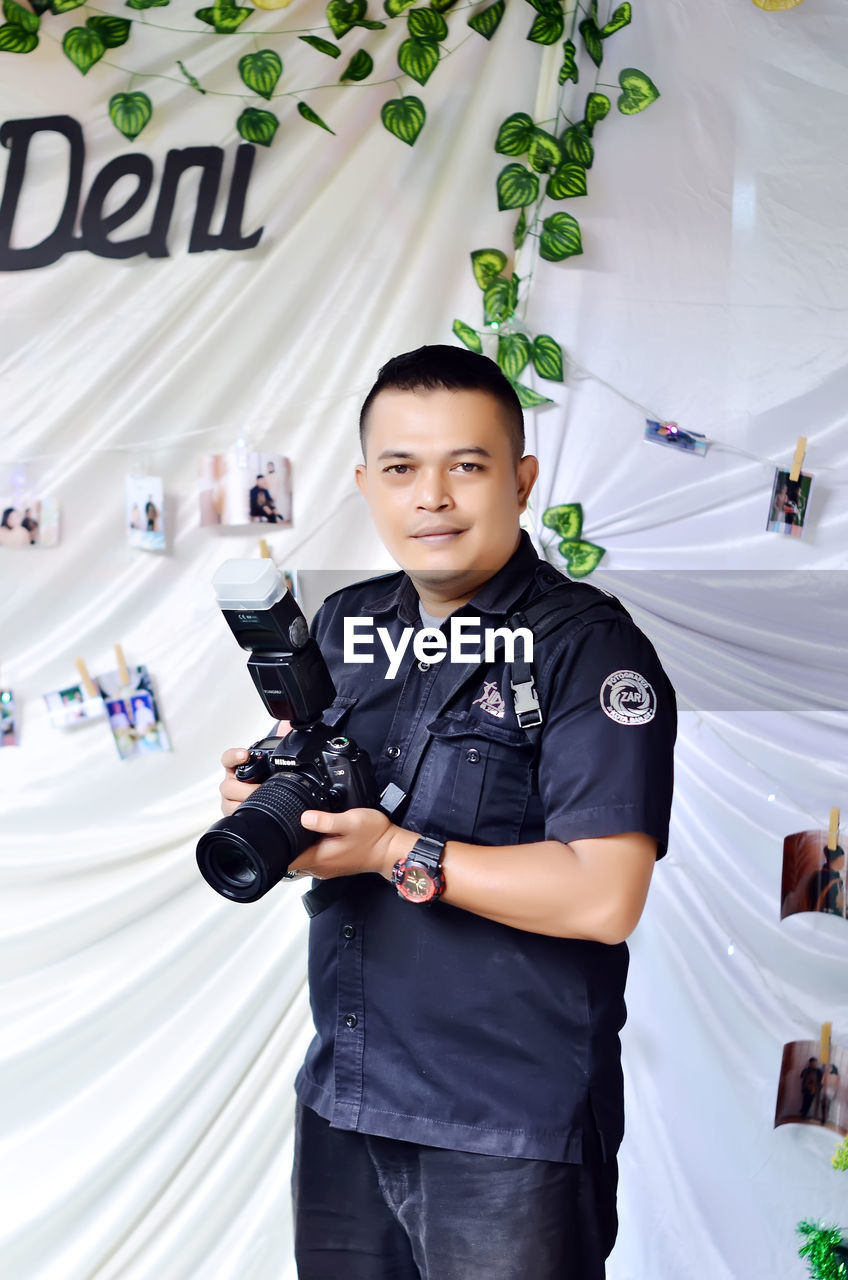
[(244, 855)]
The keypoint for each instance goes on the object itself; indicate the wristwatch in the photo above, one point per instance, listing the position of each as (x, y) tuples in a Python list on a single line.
[(419, 877)]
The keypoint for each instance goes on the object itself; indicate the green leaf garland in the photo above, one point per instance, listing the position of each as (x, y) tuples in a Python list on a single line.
[(261, 71)]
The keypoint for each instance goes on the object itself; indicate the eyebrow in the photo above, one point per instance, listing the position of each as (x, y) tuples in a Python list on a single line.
[(474, 449)]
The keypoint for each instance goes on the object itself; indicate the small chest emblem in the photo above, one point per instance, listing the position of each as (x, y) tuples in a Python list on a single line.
[(490, 700), (627, 698)]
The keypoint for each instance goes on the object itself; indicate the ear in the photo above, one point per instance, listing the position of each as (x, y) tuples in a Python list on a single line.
[(526, 473), (361, 476)]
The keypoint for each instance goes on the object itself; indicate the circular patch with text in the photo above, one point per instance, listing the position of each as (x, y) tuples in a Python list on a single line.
[(627, 698)]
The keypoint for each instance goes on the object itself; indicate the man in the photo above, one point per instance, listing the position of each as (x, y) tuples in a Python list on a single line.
[(460, 1107), (261, 502)]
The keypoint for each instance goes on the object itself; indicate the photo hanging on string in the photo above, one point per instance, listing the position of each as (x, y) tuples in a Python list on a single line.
[(133, 713), (8, 719), (789, 504), (813, 875), (28, 523), (72, 706), (811, 1091), (244, 487), (145, 519)]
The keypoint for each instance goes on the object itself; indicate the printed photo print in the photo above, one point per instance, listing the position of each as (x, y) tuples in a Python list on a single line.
[(133, 714), (812, 1091), (674, 437), (813, 875), (8, 720), (145, 520), (789, 504), (26, 524), (245, 488), (72, 706)]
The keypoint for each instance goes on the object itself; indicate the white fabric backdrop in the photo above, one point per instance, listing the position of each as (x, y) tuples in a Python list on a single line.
[(151, 1031)]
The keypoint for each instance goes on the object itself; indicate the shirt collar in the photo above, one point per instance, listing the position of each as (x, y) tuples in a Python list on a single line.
[(497, 595)]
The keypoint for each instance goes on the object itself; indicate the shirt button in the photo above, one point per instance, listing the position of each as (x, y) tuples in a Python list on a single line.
[(351, 1020), (423, 666), (348, 931), (393, 752), (472, 755)]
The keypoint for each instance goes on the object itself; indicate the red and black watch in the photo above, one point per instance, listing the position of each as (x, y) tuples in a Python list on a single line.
[(419, 877)]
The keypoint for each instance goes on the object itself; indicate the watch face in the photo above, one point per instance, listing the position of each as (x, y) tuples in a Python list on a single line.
[(417, 884)]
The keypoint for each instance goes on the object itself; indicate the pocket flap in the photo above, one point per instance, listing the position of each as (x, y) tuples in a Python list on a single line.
[(461, 724)]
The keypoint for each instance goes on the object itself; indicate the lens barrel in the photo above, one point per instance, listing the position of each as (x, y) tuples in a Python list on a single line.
[(246, 854)]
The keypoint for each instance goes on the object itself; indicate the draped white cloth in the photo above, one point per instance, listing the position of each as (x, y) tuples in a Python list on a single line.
[(150, 1030)]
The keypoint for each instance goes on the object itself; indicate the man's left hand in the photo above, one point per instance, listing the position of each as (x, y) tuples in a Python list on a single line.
[(352, 842)]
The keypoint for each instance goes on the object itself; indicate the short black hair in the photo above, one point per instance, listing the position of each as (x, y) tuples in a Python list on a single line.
[(448, 368)]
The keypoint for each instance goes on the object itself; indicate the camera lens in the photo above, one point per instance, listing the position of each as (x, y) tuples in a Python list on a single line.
[(234, 866)]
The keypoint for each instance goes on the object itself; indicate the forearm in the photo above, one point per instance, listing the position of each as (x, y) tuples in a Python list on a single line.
[(547, 887)]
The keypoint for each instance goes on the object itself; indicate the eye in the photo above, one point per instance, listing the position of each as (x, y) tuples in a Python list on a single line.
[(467, 467), (397, 469)]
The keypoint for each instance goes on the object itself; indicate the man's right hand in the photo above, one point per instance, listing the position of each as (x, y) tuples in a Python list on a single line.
[(232, 790)]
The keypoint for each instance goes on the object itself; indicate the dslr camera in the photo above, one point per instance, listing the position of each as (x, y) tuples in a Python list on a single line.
[(246, 854)]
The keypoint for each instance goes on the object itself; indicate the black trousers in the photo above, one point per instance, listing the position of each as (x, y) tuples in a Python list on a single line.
[(369, 1208)]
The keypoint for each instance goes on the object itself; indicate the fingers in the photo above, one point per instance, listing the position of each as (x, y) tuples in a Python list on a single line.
[(233, 792), (234, 756)]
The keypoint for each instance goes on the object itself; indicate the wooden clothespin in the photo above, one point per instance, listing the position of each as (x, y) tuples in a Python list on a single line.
[(264, 550), (833, 830), (123, 670), (88, 684), (798, 460), (824, 1046)]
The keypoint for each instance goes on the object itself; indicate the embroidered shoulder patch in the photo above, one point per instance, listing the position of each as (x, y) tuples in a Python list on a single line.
[(627, 698)]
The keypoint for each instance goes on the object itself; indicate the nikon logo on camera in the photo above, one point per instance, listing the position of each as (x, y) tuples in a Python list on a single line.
[(429, 644)]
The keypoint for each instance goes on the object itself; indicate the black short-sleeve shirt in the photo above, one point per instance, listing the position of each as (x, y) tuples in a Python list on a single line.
[(435, 1025)]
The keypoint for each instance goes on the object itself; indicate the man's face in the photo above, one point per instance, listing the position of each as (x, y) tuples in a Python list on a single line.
[(444, 488)]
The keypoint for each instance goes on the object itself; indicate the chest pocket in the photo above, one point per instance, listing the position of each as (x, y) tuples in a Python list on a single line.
[(474, 782)]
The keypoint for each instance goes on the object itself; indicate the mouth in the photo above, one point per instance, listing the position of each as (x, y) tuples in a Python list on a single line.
[(437, 536)]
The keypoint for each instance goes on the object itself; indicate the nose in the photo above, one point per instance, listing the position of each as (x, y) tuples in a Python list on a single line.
[(432, 492)]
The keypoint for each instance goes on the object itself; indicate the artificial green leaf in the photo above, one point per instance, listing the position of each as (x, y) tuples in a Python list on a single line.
[(225, 18), (560, 238), (193, 80), (65, 6), (14, 39), (17, 16), (513, 354), (343, 15), (515, 134), (591, 37), (469, 336), (577, 146), (581, 557), (597, 108), (487, 21), (323, 46), (620, 18), (256, 125), (486, 265), (544, 152), (567, 181), (442, 6), (568, 70), (547, 28), (144, 4), (528, 398), (519, 234), (112, 31), (312, 117), (418, 58), (517, 187), (394, 7), (426, 24), (404, 117), (83, 47), (639, 91), (261, 71), (499, 301), (360, 66), (547, 358), (130, 112), (566, 520)]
